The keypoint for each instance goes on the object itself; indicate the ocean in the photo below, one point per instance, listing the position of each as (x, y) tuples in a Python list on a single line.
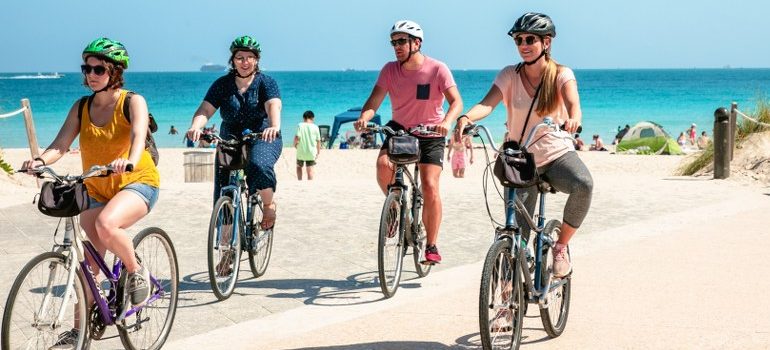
[(610, 98)]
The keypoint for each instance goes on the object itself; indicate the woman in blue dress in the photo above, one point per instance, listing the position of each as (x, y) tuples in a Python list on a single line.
[(246, 99)]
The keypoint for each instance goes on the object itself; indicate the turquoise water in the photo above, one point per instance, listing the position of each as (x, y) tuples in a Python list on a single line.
[(674, 98)]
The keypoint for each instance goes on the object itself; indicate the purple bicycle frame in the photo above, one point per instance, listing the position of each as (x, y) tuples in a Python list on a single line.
[(113, 276)]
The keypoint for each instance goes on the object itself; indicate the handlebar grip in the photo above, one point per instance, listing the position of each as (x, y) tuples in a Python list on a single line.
[(129, 167), (579, 128)]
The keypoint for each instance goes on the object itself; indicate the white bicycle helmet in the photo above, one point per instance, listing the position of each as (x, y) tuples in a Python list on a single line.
[(408, 27)]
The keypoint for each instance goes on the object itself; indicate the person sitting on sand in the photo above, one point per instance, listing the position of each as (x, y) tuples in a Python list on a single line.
[(703, 141), (598, 144), (578, 143), (682, 139)]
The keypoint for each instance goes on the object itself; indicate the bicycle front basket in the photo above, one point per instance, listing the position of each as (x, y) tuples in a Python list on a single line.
[(403, 149), (231, 157), (62, 200)]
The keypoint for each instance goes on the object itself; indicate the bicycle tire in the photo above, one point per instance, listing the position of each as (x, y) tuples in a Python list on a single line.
[(420, 241), (220, 228), (259, 257), (559, 298), (156, 252), (14, 324), (390, 247), (497, 329)]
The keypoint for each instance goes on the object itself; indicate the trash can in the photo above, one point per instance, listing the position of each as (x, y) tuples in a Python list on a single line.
[(199, 166)]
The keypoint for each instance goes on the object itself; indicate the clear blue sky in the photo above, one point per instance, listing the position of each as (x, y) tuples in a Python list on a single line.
[(47, 35)]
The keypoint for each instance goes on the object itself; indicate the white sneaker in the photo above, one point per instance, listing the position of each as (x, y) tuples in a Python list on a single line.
[(562, 264)]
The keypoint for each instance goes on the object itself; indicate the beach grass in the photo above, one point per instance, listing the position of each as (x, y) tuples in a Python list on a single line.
[(4, 165), (744, 129)]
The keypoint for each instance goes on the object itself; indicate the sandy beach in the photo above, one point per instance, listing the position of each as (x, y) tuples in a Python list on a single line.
[(661, 261)]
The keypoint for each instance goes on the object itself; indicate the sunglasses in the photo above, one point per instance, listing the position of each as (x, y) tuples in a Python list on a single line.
[(528, 40), (399, 42), (98, 70)]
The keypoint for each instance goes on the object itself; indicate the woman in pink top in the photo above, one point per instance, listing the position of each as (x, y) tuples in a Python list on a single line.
[(551, 90), (417, 86)]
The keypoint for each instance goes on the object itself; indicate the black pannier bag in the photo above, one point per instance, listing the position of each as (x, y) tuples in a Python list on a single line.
[(516, 170), (62, 200), (231, 157), (403, 149)]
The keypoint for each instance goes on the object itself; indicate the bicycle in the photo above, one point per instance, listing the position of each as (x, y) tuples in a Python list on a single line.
[(230, 232), (512, 277), (401, 224), (48, 295)]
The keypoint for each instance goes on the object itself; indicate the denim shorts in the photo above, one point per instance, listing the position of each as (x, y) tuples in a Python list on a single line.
[(149, 194)]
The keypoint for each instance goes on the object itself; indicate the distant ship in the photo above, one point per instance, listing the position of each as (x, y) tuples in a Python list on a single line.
[(38, 76), (210, 67)]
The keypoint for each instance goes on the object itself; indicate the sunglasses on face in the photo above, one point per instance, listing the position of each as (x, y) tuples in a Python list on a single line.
[(98, 70), (529, 40), (399, 42), (245, 58)]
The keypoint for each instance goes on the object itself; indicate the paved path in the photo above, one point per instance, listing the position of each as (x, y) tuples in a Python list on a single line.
[(639, 282)]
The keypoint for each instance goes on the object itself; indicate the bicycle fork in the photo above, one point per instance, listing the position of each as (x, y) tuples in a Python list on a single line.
[(70, 261)]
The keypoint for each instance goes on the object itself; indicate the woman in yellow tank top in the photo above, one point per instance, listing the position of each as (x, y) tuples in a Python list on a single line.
[(106, 137)]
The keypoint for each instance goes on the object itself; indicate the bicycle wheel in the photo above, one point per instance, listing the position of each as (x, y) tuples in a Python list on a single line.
[(554, 316), (501, 299), (420, 238), (261, 242), (224, 258), (149, 327), (35, 300), (390, 249)]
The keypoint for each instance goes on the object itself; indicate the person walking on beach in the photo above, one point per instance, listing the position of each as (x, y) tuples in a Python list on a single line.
[(107, 136), (552, 89), (456, 155), (308, 144), (247, 99), (417, 86)]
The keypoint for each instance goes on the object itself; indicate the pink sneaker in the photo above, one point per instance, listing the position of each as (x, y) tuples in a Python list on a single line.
[(432, 256), (562, 264)]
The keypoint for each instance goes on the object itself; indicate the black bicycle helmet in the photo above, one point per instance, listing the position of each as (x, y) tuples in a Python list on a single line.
[(534, 23)]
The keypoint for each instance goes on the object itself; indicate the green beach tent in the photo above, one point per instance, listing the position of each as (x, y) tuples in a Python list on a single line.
[(648, 138)]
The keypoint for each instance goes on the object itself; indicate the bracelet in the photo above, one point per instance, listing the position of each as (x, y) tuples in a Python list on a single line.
[(464, 116), (41, 160)]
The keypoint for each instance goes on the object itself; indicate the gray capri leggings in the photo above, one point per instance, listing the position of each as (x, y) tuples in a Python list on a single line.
[(566, 174)]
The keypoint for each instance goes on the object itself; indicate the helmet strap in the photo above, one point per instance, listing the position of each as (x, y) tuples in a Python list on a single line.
[(411, 52), (535, 60)]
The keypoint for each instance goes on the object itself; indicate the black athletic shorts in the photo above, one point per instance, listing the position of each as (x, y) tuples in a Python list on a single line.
[(301, 163), (431, 148)]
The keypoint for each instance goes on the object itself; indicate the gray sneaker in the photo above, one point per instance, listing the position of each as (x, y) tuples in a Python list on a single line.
[(138, 287), (67, 340), (562, 264)]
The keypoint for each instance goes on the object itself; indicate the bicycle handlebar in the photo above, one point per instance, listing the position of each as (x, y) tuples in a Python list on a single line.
[(94, 171), (235, 140), (473, 129), (422, 130)]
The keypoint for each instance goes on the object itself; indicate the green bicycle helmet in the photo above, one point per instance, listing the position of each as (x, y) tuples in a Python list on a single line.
[(111, 49), (245, 43)]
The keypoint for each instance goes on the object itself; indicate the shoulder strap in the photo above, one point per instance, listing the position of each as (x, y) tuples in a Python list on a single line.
[(126, 104), (534, 98), (83, 101)]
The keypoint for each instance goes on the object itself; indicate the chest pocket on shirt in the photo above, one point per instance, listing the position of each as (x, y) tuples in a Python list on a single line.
[(423, 91)]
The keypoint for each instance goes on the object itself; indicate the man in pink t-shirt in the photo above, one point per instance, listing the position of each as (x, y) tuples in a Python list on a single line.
[(417, 86)]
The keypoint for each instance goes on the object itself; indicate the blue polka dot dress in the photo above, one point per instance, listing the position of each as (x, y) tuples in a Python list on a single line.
[(247, 111)]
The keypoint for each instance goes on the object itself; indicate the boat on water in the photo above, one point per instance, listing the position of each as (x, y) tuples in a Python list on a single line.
[(35, 76), (211, 67)]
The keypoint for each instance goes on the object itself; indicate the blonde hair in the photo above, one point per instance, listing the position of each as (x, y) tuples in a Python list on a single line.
[(548, 101)]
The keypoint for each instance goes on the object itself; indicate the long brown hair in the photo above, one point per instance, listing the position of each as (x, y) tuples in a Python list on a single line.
[(548, 100)]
